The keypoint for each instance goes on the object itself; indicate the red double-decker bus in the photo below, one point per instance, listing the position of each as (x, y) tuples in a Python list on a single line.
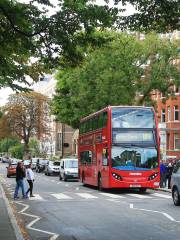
[(119, 148)]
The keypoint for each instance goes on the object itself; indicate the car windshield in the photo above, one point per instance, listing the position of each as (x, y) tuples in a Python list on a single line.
[(71, 164), (132, 118), (134, 158), (56, 163), (13, 165)]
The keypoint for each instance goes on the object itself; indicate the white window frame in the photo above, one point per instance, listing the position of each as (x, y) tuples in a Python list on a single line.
[(169, 113), (163, 114), (176, 110), (176, 138)]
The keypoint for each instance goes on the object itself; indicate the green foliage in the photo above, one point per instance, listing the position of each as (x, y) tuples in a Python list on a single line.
[(116, 74), (26, 31), (156, 15), (17, 151), (34, 147), (7, 143)]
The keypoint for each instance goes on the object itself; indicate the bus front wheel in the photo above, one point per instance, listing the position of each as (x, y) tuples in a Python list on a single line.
[(142, 190)]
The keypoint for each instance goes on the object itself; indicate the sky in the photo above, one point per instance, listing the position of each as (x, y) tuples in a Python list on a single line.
[(5, 92)]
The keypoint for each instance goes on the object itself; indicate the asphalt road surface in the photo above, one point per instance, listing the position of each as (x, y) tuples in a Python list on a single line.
[(70, 211)]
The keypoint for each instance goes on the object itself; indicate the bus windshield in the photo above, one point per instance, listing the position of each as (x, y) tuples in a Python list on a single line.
[(134, 158), (132, 118)]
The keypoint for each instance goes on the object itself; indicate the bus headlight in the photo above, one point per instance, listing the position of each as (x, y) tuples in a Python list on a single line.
[(116, 176), (152, 177)]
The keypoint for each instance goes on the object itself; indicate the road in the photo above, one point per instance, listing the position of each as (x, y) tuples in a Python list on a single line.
[(69, 211)]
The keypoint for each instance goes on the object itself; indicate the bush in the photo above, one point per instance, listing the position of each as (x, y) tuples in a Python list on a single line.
[(17, 151)]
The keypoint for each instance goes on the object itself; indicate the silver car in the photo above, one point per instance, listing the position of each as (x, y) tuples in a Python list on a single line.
[(175, 184), (52, 168)]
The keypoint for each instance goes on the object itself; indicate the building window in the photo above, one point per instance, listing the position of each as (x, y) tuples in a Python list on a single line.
[(176, 113), (169, 114), (176, 142), (163, 115), (59, 142), (176, 89)]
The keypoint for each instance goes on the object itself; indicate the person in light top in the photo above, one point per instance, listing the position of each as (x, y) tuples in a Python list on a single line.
[(30, 179)]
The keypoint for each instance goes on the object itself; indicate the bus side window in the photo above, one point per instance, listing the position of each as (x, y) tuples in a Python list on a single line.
[(105, 118), (105, 157)]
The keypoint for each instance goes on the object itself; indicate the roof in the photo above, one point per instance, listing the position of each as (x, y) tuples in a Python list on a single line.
[(108, 107)]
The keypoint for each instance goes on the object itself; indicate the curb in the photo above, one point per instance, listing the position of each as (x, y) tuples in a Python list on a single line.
[(163, 190), (12, 218)]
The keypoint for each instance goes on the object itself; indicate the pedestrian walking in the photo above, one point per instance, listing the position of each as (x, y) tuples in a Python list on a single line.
[(163, 174), (30, 179), (169, 174), (20, 175)]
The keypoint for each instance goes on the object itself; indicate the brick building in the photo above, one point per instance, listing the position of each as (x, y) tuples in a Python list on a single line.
[(169, 124), (59, 140)]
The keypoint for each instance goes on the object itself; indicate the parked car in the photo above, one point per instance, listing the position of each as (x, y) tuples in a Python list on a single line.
[(26, 163), (11, 170), (52, 168), (34, 162), (41, 164), (5, 160), (68, 169), (175, 184)]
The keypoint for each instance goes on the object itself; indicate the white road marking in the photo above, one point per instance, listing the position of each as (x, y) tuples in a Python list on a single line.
[(61, 196), (138, 195), (161, 195), (37, 218), (148, 210), (37, 197), (59, 182), (86, 195), (67, 185), (77, 188), (112, 195)]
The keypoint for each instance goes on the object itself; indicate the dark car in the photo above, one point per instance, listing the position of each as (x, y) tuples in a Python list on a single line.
[(41, 164), (175, 184)]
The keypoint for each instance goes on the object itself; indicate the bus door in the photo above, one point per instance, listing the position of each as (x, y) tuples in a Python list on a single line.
[(103, 164), (88, 167)]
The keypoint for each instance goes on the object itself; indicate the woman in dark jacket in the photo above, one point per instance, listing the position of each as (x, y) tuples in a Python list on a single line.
[(20, 175)]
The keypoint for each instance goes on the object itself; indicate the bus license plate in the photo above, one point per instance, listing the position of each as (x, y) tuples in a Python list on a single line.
[(135, 185)]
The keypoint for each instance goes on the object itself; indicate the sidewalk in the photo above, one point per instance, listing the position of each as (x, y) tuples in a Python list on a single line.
[(9, 229)]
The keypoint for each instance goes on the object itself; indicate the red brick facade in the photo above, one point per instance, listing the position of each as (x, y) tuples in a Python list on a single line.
[(169, 122)]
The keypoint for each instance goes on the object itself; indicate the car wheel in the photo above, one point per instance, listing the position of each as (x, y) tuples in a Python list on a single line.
[(8, 176), (176, 197), (60, 178), (64, 178)]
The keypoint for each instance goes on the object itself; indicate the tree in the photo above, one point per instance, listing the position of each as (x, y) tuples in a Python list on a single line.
[(5, 130), (28, 116), (34, 147), (27, 31), (157, 15), (7, 143), (33, 42), (124, 72)]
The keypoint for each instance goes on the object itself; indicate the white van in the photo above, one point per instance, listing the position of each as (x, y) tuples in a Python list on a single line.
[(68, 169)]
